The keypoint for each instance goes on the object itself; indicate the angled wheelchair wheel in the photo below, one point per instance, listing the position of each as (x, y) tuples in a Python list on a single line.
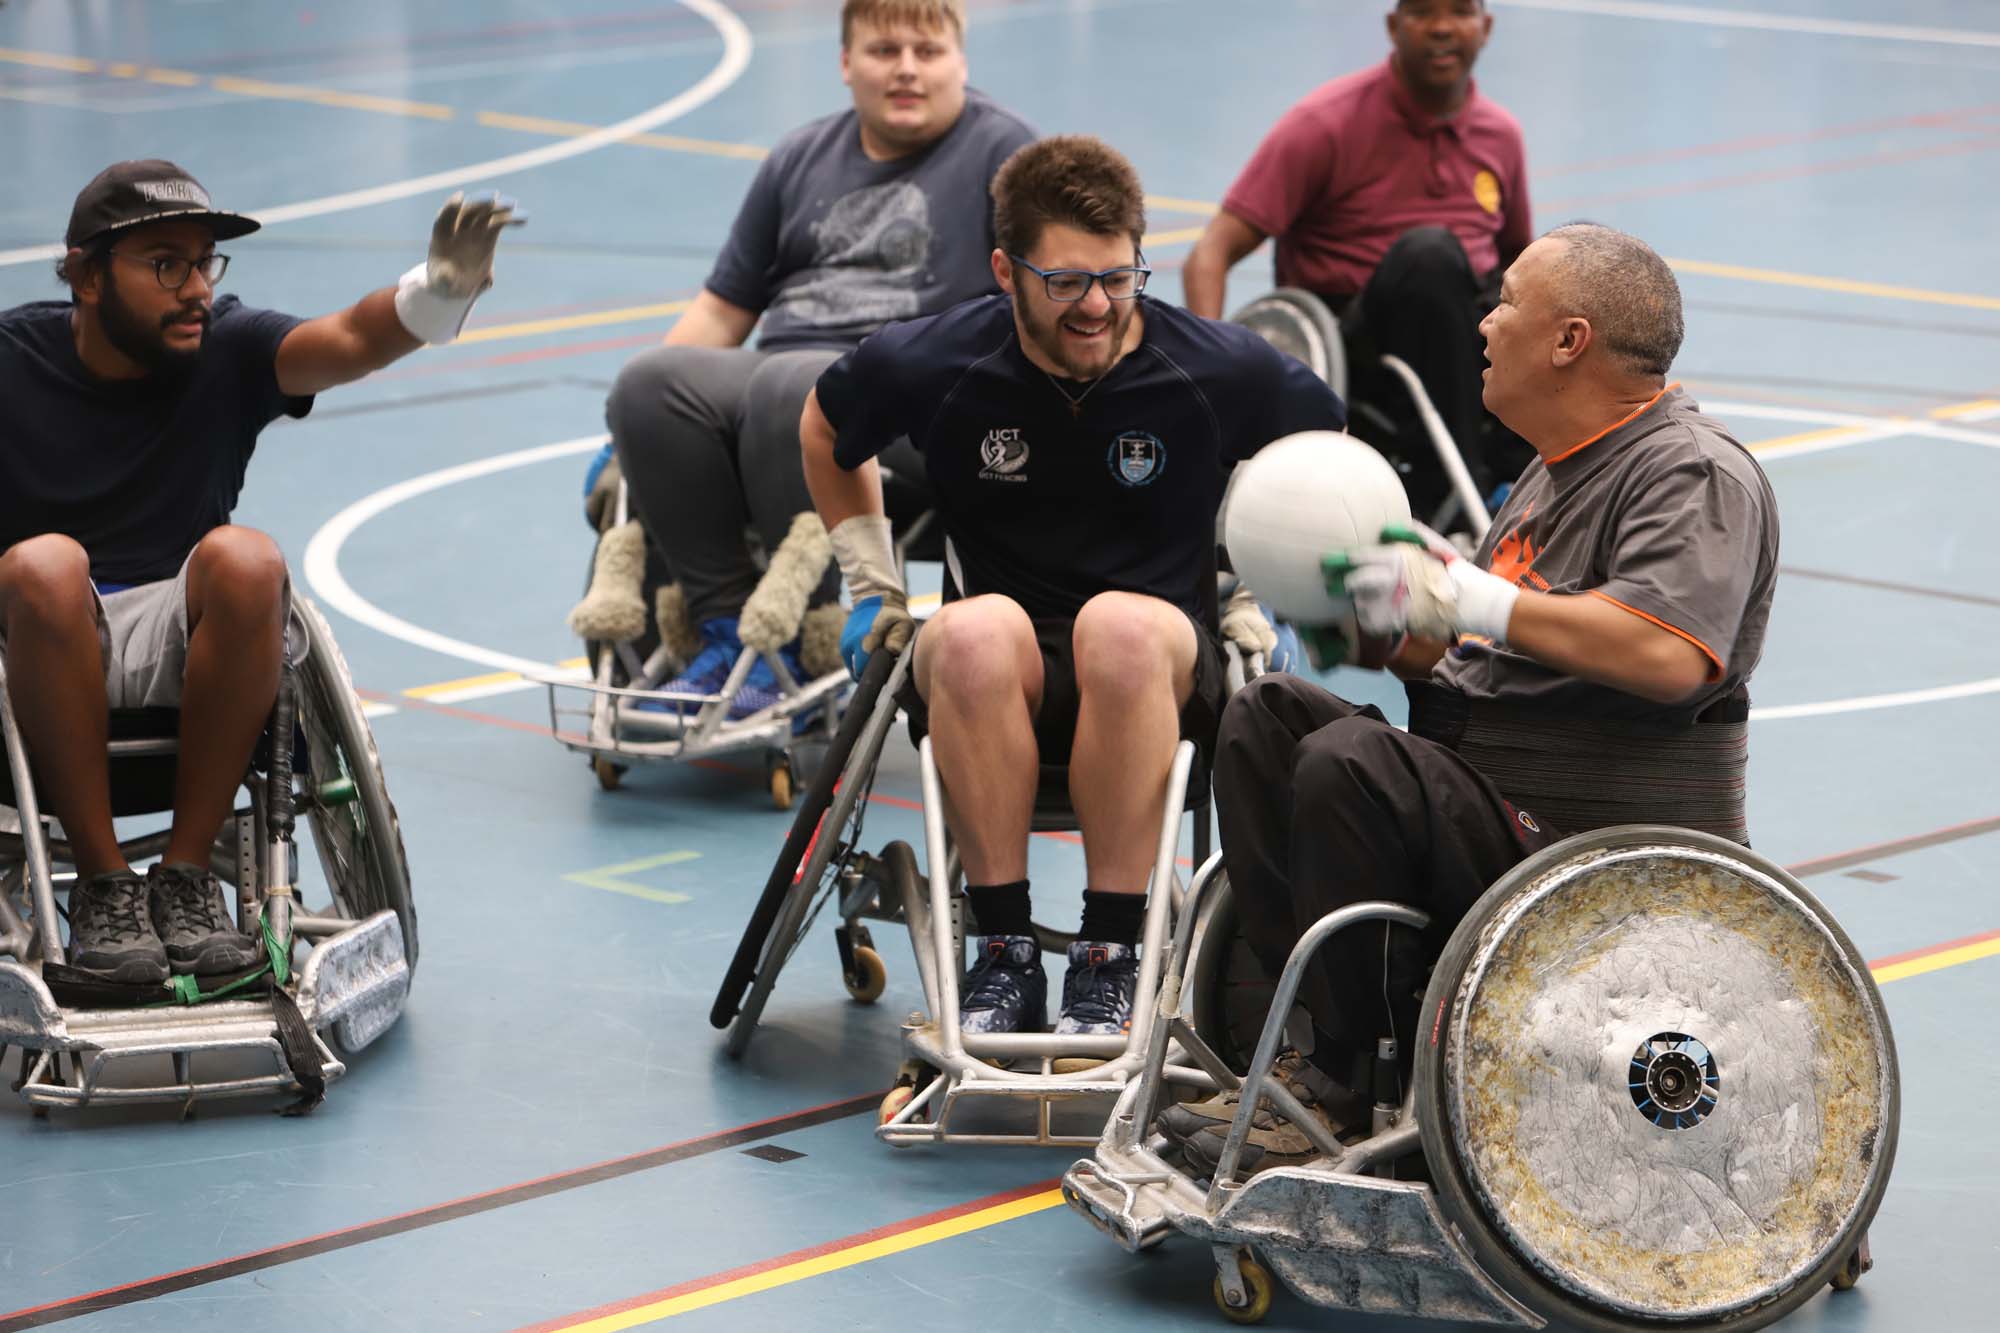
[(824, 839), (1659, 1087), (1298, 323), (1229, 990), (354, 825)]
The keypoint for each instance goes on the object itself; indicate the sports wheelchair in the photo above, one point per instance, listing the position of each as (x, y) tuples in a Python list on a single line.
[(1654, 1086), (318, 757), (823, 860), (636, 640), (1443, 490)]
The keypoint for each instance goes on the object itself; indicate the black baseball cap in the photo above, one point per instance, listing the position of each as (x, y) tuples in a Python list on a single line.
[(128, 194)]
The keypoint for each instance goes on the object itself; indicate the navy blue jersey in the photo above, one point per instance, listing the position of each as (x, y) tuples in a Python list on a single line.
[(1051, 507), (136, 471)]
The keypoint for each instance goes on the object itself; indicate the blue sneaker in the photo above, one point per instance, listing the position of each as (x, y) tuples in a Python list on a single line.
[(760, 688), (707, 673), (1006, 990), (1097, 989)]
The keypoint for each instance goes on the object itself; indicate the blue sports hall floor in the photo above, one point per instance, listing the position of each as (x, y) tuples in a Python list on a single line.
[(1819, 171)]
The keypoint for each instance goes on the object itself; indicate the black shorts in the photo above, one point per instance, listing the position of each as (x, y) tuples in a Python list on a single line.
[(1055, 724)]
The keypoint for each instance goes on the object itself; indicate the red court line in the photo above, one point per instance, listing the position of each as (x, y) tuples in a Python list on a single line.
[(1930, 950), (1985, 143), (854, 1241), (1759, 142)]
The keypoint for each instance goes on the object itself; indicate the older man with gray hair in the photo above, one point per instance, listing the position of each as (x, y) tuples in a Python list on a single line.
[(1586, 667)]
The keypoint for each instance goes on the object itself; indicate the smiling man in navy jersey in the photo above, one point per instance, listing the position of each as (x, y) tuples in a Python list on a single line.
[(1078, 437), (127, 418)]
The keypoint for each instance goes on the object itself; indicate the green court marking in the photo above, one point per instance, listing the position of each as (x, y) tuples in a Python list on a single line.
[(612, 878)]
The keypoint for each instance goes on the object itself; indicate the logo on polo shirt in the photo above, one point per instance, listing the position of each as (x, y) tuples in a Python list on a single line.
[(1486, 189), (1137, 459), (1004, 455)]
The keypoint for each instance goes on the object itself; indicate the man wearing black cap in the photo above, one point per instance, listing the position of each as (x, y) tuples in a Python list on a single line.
[(127, 418)]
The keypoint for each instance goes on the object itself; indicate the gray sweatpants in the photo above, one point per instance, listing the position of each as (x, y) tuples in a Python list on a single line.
[(708, 438)]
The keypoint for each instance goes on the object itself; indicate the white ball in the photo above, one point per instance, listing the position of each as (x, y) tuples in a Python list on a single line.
[(1302, 498)]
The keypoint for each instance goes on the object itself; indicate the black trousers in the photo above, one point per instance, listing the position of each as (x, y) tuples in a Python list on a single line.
[(1424, 304), (1322, 804)]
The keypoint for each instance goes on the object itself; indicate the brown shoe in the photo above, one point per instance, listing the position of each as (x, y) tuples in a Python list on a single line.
[(1199, 1129)]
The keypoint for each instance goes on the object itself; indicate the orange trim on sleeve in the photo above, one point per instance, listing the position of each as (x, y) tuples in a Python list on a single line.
[(1715, 663), (1634, 415)]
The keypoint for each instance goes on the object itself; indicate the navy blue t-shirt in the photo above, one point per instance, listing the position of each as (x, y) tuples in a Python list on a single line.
[(137, 471), (1052, 508)]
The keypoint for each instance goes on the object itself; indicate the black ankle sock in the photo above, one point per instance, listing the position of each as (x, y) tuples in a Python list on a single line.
[(1001, 909), (1112, 918)]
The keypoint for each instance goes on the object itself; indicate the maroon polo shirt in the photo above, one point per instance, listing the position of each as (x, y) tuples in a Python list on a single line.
[(1356, 163)]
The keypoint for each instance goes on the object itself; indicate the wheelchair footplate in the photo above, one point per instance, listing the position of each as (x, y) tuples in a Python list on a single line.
[(353, 983)]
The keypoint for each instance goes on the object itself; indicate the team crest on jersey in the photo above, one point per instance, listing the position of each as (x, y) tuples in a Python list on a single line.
[(1137, 459), (1003, 455)]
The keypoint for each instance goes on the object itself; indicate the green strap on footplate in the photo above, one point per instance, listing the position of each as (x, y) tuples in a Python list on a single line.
[(187, 989)]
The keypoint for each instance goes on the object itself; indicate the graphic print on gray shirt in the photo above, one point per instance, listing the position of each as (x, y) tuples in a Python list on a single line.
[(830, 245), (1666, 515)]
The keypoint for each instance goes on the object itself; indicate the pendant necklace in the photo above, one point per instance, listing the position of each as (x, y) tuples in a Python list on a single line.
[(1076, 403)]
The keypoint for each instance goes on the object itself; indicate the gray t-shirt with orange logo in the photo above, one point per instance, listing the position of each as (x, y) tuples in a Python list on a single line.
[(1664, 514)]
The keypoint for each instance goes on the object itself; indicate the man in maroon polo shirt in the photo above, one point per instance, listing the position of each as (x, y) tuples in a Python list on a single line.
[(1398, 194)]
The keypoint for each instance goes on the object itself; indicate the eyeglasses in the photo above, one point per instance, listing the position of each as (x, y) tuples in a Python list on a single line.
[(1073, 284), (173, 271)]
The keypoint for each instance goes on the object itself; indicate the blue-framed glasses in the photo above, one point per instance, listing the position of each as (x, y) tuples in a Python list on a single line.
[(1073, 284)]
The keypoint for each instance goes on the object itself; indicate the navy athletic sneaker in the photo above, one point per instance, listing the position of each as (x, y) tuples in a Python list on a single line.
[(194, 922), (709, 670), (111, 930), (1097, 989), (1006, 990)]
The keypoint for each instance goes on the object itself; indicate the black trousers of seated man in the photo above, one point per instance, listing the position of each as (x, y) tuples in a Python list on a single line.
[(1424, 304), (1321, 804)]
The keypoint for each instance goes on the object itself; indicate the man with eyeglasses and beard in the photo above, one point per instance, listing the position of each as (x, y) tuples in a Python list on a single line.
[(1078, 436), (128, 415)]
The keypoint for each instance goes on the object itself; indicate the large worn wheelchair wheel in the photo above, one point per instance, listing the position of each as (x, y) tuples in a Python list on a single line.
[(1298, 323), (1229, 992), (354, 825), (1656, 1085)]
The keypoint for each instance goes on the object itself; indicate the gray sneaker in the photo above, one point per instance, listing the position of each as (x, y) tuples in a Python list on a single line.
[(111, 930), (193, 920)]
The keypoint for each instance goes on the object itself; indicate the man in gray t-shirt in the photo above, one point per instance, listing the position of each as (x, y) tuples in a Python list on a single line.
[(877, 213), (1599, 645)]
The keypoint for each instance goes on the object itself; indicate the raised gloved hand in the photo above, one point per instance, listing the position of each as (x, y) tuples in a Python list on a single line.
[(1245, 624), (434, 298), (881, 615), (1416, 582)]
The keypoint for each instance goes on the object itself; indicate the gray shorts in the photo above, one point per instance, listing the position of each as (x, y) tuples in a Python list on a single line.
[(143, 634)]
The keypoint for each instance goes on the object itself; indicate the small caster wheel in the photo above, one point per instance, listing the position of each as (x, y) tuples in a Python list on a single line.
[(41, 1112), (903, 1090), (869, 977), (608, 773), (1257, 1288), (781, 783), (1852, 1267)]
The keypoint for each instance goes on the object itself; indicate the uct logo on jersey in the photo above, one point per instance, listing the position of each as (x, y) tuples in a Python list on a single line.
[(1004, 455), (1137, 459)]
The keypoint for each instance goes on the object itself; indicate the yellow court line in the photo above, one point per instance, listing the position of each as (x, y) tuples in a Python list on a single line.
[(293, 92), (1965, 953), (1177, 237), (1169, 204), (1977, 408), (47, 60), (595, 319), (1813, 436), (474, 682), (824, 1263), (1847, 285), (571, 129)]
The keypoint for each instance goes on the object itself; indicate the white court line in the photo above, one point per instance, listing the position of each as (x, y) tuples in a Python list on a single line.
[(322, 562), (1764, 22), (736, 48), (322, 572), (1874, 428)]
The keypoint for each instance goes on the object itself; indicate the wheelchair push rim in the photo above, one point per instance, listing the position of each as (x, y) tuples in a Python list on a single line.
[(1657, 1087), (355, 829)]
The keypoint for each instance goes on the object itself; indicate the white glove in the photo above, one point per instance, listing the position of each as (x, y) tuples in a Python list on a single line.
[(434, 298), (1417, 583), (1244, 625), (881, 611)]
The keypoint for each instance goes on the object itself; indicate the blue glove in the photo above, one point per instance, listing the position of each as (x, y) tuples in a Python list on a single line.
[(880, 620)]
